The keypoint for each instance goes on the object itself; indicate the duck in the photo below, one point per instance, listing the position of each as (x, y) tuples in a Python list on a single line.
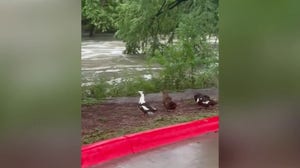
[(204, 100), (145, 107), (167, 101)]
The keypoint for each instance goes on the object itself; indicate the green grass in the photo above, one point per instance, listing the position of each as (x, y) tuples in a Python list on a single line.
[(129, 87)]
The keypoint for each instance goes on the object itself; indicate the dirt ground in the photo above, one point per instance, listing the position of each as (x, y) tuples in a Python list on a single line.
[(119, 116)]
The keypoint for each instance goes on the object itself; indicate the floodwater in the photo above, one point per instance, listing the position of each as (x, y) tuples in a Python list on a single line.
[(102, 56), (199, 152)]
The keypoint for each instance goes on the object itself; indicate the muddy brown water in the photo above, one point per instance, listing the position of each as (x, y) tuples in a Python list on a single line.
[(102, 56)]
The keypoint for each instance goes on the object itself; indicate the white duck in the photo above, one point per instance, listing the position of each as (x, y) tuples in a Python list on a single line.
[(144, 106)]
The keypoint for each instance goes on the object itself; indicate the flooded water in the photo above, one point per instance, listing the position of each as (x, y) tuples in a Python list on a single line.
[(102, 56)]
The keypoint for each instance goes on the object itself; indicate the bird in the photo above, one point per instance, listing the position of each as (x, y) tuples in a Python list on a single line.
[(204, 100), (167, 101), (145, 107)]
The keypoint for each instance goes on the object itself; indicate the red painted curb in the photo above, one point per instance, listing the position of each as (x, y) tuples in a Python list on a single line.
[(113, 148), (104, 150)]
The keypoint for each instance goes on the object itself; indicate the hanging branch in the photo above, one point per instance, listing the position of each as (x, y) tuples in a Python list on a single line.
[(160, 10), (175, 3), (170, 6)]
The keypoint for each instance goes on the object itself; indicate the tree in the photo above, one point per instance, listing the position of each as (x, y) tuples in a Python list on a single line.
[(151, 27), (144, 23), (100, 14)]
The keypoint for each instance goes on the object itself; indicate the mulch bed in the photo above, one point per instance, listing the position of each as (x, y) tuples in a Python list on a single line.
[(108, 120)]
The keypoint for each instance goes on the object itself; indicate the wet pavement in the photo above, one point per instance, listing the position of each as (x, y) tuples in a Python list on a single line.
[(198, 152)]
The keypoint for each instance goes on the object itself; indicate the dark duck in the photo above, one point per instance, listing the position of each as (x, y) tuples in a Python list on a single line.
[(167, 101), (145, 107), (204, 100)]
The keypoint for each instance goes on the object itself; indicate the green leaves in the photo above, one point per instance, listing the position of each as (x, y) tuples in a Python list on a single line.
[(100, 13), (176, 39)]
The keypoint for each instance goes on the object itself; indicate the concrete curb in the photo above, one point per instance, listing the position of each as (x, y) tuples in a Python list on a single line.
[(102, 151)]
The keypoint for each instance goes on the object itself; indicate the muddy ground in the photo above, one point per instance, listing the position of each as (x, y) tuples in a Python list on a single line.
[(119, 116)]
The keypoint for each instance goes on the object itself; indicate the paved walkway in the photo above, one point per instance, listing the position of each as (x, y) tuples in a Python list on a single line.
[(199, 152)]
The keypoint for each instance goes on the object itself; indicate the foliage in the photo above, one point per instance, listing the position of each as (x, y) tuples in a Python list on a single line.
[(186, 63), (185, 68), (100, 13), (139, 26), (192, 60), (126, 87), (129, 86), (177, 39)]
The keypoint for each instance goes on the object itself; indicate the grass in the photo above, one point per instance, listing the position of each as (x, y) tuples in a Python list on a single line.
[(129, 86), (157, 122)]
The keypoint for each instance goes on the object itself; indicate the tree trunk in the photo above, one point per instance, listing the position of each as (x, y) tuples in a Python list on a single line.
[(92, 30)]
